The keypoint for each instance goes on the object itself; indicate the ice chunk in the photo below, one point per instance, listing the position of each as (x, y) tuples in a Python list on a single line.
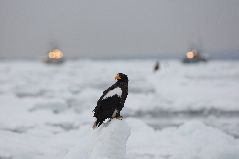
[(110, 142), (106, 142)]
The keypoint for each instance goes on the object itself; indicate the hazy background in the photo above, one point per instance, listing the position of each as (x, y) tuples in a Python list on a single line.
[(173, 109), (118, 29)]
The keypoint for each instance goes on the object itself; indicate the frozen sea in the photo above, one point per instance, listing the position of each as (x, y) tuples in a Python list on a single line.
[(180, 112)]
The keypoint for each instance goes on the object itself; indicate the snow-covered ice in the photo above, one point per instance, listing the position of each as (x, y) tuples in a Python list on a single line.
[(193, 139), (106, 142), (182, 111)]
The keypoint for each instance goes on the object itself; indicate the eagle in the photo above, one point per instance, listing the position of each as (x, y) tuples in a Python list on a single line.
[(112, 101)]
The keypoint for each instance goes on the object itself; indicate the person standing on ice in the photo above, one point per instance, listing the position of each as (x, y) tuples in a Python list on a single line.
[(112, 101)]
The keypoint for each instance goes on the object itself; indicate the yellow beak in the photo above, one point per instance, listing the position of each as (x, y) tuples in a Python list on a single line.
[(117, 77)]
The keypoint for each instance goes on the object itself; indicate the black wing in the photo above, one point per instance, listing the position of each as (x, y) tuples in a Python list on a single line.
[(102, 102), (107, 107)]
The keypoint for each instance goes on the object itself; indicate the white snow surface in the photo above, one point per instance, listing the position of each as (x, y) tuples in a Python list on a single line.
[(182, 111), (106, 142), (117, 91)]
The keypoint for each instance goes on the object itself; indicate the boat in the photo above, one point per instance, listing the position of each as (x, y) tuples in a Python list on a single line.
[(193, 56), (55, 56)]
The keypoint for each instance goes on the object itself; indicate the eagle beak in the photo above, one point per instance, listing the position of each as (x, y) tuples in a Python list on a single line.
[(117, 77)]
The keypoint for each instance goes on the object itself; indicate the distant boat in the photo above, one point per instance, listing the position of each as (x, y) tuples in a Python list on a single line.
[(193, 56), (55, 56)]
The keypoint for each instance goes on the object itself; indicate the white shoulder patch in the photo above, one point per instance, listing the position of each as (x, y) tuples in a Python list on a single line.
[(117, 91)]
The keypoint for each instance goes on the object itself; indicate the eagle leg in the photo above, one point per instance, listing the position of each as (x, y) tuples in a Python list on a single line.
[(118, 117)]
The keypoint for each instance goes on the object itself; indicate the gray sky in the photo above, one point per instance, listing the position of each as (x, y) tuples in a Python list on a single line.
[(118, 28)]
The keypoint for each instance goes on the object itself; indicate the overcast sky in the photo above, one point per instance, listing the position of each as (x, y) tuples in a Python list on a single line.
[(118, 28)]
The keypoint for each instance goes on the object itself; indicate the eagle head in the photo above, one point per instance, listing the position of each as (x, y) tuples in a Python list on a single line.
[(121, 77)]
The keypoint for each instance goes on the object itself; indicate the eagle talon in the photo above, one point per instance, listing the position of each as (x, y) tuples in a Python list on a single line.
[(119, 118)]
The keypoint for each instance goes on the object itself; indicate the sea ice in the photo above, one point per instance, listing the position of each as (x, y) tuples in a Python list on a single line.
[(106, 142)]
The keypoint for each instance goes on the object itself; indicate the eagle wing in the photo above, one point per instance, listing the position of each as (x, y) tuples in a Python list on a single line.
[(108, 103)]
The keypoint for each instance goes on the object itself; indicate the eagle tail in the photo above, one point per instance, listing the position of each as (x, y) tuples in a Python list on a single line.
[(94, 125), (97, 123)]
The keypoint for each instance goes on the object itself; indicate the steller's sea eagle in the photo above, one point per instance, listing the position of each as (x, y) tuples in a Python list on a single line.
[(112, 101)]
